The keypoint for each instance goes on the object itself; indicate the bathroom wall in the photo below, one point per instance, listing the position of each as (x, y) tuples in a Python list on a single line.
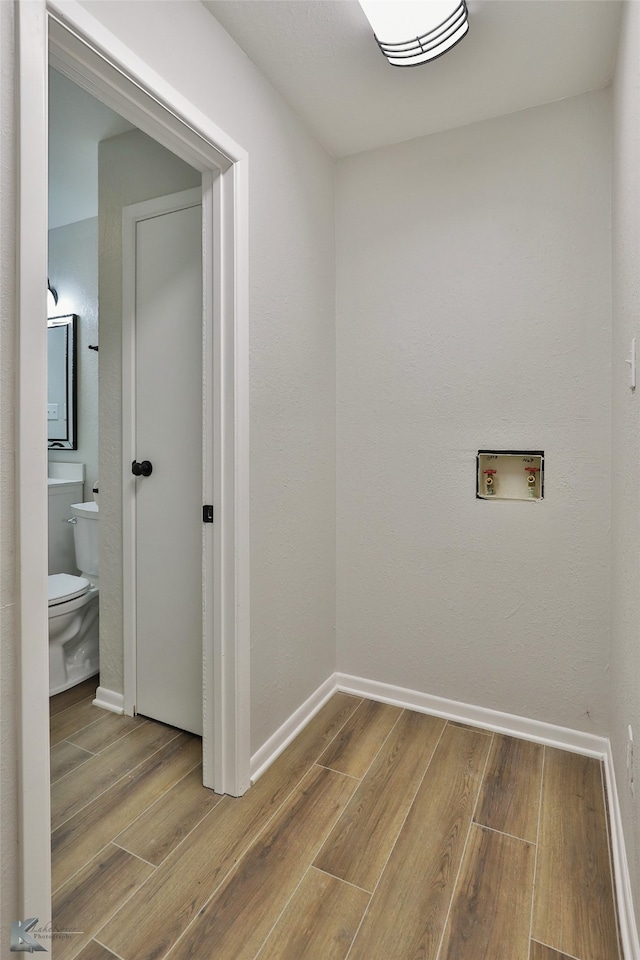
[(9, 634), (625, 528), (131, 168), (473, 298), (292, 351), (73, 273)]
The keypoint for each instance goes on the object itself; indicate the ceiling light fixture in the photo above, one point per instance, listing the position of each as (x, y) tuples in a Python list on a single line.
[(410, 32)]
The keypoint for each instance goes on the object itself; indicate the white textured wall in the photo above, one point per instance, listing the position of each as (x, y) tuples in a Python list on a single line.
[(73, 272), (9, 637), (625, 529), (131, 168), (473, 312), (292, 357)]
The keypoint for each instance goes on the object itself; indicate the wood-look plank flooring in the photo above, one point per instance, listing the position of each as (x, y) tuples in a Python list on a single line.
[(379, 834)]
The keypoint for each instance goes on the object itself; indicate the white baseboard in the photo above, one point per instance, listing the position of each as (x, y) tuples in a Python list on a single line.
[(280, 740), (514, 726), (510, 724), (626, 914), (109, 700)]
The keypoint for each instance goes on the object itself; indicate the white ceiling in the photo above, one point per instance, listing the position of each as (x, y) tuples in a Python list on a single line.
[(77, 123), (322, 57)]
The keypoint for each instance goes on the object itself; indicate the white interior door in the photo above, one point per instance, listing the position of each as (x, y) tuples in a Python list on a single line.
[(168, 434)]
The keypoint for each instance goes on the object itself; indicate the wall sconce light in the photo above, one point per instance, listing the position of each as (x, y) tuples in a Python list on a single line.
[(52, 300), (410, 32)]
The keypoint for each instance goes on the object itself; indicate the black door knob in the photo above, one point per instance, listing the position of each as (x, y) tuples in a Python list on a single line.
[(141, 469)]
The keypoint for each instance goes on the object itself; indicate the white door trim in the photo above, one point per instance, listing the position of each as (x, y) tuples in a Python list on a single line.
[(131, 216), (32, 627), (98, 61)]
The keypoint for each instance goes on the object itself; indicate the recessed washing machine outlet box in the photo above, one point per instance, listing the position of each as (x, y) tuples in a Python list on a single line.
[(510, 475)]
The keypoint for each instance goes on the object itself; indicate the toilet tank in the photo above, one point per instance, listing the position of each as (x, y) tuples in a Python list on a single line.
[(87, 537), (62, 493)]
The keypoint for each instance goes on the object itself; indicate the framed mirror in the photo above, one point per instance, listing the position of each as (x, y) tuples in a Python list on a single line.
[(61, 382)]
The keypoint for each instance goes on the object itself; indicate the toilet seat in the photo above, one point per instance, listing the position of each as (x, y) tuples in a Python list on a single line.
[(64, 587)]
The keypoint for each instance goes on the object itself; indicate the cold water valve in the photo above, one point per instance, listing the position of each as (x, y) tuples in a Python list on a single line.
[(489, 483)]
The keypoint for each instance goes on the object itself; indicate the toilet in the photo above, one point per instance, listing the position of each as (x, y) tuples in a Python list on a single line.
[(73, 607)]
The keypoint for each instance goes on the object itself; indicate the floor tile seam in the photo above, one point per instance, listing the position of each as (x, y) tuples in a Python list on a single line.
[(605, 807), (280, 915), (502, 833), (90, 752), (329, 831), (72, 744), (393, 845), (462, 724), (100, 853), (113, 840), (143, 723), (339, 730), (313, 763), (112, 952), (136, 856), (73, 732), (535, 861), (341, 772), (358, 928), (129, 733), (410, 804), (59, 713), (120, 907), (203, 906), (75, 873), (334, 876), (463, 852), (143, 813), (569, 956), (88, 701), (126, 774), (277, 810), (235, 868), (377, 753), (116, 910), (316, 762), (287, 795), (77, 766), (303, 877), (409, 808)]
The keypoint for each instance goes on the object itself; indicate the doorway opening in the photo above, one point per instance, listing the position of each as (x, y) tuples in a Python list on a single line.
[(101, 167), (79, 48)]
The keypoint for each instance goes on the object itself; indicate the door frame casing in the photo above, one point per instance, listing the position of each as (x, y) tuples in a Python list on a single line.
[(132, 215), (94, 58)]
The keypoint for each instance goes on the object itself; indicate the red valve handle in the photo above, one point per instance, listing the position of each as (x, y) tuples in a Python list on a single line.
[(532, 469), (489, 471)]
